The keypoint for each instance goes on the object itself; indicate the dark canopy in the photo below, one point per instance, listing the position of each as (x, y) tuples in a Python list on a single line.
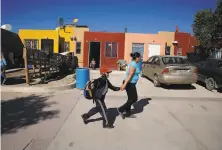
[(11, 42)]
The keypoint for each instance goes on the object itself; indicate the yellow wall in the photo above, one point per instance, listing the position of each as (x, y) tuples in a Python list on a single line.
[(57, 35), (79, 34), (66, 33), (169, 37), (40, 34)]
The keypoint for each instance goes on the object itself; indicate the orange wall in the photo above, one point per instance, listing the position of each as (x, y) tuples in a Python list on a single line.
[(142, 38), (103, 37)]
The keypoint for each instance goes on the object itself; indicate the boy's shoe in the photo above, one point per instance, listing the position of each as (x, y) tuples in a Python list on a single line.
[(130, 116), (84, 118), (121, 114), (108, 126)]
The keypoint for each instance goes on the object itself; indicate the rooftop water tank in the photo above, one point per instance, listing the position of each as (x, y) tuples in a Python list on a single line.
[(7, 27)]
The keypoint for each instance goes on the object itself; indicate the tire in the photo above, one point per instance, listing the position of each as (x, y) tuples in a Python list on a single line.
[(210, 84), (156, 82)]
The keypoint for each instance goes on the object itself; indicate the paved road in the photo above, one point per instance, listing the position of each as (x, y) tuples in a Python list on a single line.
[(174, 119), (160, 124)]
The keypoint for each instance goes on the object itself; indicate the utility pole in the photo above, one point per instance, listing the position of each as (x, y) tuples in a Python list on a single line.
[(125, 29)]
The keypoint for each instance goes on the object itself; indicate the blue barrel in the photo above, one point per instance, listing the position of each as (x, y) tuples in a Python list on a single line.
[(82, 77)]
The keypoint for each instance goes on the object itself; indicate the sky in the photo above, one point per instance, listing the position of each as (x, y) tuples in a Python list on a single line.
[(142, 16)]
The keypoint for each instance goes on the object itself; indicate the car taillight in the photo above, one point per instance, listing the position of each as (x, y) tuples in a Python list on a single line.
[(165, 71), (195, 71)]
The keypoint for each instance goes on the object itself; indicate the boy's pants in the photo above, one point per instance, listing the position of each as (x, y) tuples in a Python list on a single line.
[(101, 108), (3, 78)]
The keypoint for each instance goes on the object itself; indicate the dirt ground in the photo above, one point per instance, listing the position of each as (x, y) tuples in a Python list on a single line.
[(17, 78)]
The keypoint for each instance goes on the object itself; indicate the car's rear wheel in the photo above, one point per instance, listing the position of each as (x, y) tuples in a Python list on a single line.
[(156, 82), (210, 84)]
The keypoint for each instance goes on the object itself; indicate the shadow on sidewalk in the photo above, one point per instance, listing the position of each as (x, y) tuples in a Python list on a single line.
[(112, 112), (25, 111)]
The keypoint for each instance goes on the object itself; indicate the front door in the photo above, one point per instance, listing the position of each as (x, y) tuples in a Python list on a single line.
[(94, 53), (153, 49), (47, 45)]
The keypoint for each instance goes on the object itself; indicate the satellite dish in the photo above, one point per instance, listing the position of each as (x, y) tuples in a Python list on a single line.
[(7, 27), (75, 20), (60, 22)]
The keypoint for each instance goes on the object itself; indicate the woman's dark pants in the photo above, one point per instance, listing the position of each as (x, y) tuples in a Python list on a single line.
[(132, 98)]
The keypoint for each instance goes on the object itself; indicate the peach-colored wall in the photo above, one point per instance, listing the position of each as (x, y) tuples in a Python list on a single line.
[(146, 39), (170, 37)]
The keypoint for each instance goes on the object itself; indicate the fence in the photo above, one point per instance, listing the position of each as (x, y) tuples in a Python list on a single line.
[(41, 63)]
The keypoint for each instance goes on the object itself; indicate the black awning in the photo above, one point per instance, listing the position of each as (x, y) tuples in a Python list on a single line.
[(11, 42)]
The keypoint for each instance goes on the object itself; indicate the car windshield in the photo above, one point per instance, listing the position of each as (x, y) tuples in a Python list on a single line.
[(174, 60)]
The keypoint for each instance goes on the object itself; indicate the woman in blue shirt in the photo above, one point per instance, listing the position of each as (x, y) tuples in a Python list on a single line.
[(132, 76)]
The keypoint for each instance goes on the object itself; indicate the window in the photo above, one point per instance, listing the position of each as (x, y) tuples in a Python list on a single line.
[(156, 61), (33, 44), (220, 65), (78, 47), (150, 60), (167, 50), (67, 46), (173, 60), (111, 49), (179, 52), (138, 47)]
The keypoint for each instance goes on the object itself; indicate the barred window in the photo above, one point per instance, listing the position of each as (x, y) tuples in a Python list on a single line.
[(179, 52), (67, 47), (78, 47), (33, 44), (167, 50), (111, 49)]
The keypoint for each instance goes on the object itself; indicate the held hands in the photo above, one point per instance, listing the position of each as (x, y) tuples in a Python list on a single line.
[(123, 87), (117, 89)]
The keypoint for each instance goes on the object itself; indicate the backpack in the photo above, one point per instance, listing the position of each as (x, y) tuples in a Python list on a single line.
[(88, 90)]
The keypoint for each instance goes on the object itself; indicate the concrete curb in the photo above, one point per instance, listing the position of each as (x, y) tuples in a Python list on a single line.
[(113, 72), (31, 89)]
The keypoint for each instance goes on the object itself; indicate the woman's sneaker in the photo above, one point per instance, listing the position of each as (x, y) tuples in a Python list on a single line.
[(108, 126)]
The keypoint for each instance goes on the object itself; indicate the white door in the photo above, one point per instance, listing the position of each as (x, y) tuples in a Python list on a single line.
[(153, 49)]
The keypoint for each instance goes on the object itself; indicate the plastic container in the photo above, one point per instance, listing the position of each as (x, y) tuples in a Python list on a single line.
[(82, 77)]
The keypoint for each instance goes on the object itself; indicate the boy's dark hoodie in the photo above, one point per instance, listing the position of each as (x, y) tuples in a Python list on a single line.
[(101, 85)]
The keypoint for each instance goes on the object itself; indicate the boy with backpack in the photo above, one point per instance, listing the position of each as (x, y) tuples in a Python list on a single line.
[(97, 90)]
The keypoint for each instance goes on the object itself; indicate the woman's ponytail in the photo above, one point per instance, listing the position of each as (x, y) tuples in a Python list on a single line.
[(135, 55)]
